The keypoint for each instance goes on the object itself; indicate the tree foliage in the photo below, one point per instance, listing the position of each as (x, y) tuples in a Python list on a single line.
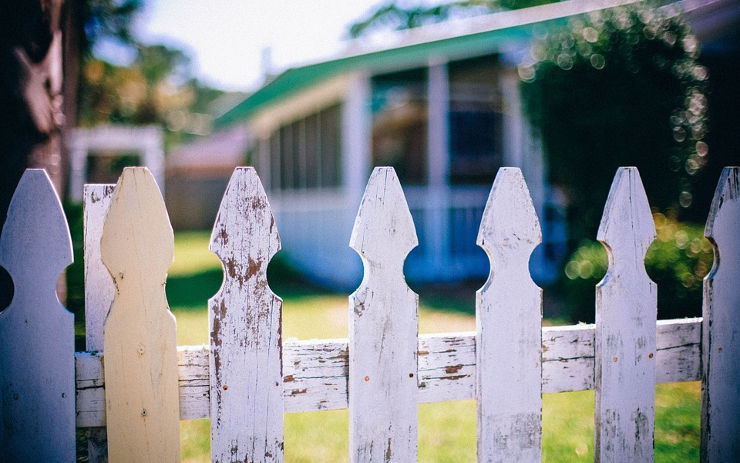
[(677, 261), (155, 89), (618, 87), (399, 15), (624, 87), (107, 20)]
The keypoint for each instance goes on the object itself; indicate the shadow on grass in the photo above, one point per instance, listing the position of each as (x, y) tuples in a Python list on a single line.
[(450, 297), (191, 292)]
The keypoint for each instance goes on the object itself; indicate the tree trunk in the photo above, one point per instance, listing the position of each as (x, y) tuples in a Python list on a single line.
[(31, 117)]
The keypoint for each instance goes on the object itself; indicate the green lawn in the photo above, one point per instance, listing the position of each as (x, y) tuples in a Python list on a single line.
[(446, 430)]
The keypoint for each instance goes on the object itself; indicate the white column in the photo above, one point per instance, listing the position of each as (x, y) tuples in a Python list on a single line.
[(78, 171), (153, 154), (263, 155), (512, 121), (356, 139), (522, 147), (438, 161), (154, 160), (438, 93)]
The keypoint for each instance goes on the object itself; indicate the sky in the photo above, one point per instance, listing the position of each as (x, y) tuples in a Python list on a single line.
[(226, 38)]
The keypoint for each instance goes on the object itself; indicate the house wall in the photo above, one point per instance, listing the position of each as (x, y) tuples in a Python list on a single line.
[(446, 215), (192, 200), (315, 228)]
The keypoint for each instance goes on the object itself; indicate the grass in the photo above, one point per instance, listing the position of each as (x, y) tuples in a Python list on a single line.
[(447, 429)]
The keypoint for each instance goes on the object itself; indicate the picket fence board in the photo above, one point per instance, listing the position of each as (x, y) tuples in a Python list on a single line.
[(99, 286), (316, 371), (140, 365), (99, 292), (509, 327), (621, 357), (245, 326), (383, 329), (626, 313), (37, 402), (720, 422)]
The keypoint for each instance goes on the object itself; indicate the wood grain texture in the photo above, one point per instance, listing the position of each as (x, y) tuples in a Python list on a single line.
[(245, 326), (315, 372), (99, 292), (383, 329), (139, 334), (37, 404), (99, 287), (720, 422), (509, 327), (626, 312)]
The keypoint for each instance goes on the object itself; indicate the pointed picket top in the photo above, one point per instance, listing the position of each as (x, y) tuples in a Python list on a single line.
[(724, 212), (509, 327), (509, 219), (99, 292), (244, 211), (720, 430), (627, 224), (35, 231), (245, 325), (383, 329), (36, 331), (140, 350), (137, 217), (383, 217), (625, 335), (99, 287)]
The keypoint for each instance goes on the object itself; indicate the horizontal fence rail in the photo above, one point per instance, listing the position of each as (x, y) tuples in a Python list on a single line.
[(134, 384), (315, 371)]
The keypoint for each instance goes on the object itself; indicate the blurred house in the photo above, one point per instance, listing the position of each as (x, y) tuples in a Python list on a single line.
[(439, 103), (197, 175)]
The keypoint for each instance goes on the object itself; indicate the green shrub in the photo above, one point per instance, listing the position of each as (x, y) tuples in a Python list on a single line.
[(677, 261), (75, 273)]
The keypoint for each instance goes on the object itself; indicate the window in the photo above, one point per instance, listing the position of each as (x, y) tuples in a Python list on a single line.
[(475, 120), (306, 153), (399, 104)]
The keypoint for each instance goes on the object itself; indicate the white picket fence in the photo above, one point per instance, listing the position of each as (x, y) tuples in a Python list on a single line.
[(134, 384)]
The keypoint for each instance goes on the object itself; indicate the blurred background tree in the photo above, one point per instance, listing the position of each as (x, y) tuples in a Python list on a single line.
[(51, 81), (42, 45), (399, 15), (622, 86), (155, 88), (619, 87)]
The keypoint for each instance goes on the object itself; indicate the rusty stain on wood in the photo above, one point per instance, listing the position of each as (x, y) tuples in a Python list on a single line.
[(245, 324), (568, 366)]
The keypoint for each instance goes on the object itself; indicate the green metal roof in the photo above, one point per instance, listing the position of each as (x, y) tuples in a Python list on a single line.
[(296, 79)]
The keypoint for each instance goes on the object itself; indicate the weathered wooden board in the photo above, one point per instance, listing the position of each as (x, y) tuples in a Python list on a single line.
[(315, 372), (244, 319), (509, 327), (99, 292), (626, 312), (37, 404), (383, 329), (99, 287), (720, 417), (139, 333)]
